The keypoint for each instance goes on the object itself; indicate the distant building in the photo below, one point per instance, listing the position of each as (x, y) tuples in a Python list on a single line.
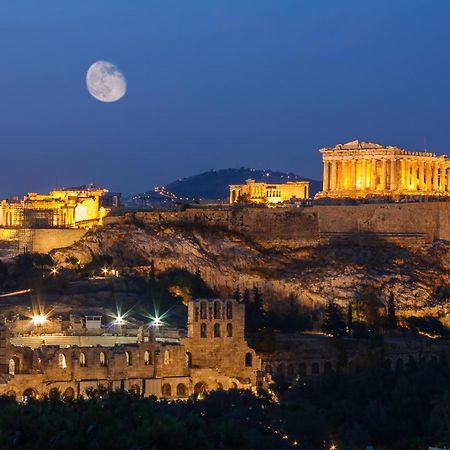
[(360, 169), (260, 192), (79, 207)]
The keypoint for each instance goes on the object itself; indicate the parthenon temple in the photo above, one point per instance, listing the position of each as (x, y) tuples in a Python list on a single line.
[(359, 169)]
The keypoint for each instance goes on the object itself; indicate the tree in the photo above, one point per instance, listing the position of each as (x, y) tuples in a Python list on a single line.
[(333, 323), (391, 313)]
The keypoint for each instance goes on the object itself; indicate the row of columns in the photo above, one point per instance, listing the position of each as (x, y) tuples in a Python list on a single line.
[(394, 175)]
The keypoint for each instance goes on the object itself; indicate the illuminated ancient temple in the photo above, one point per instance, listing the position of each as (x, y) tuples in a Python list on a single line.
[(260, 192), (80, 207), (360, 169)]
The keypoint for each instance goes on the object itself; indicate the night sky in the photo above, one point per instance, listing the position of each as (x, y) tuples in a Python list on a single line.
[(214, 84)]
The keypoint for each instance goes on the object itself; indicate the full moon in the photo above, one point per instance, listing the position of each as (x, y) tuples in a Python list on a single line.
[(105, 82)]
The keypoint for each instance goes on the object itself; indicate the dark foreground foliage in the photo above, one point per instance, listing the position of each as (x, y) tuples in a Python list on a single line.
[(407, 409)]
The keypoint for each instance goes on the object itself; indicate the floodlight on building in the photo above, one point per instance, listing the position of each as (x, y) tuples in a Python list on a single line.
[(105, 271), (157, 322), (39, 319), (119, 320), (54, 271)]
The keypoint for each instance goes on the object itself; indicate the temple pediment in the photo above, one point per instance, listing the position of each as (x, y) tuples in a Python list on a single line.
[(357, 145)]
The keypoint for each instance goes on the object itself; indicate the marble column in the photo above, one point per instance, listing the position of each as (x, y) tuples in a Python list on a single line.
[(443, 178), (408, 174), (393, 185), (422, 183), (353, 175), (363, 174), (435, 176), (326, 176), (333, 175), (428, 185), (383, 174), (373, 175), (414, 175)]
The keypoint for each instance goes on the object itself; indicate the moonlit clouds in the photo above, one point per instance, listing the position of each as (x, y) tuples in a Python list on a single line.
[(105, 82)]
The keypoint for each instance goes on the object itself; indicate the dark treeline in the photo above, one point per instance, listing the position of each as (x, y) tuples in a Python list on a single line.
[(403, 410)]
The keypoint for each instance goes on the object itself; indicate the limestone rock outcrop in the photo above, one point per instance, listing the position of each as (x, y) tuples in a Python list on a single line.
[(226, 260)]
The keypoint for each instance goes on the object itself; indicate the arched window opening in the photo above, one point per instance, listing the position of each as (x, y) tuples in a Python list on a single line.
[(103, 359), (128, 358), (229, 310), (248, 360), (147, 358), (203, 310), (82, 359), (62, 363), (11, 394), (315, 369), (203, 330), (12, 367), (166, 390), (69, 393), (200, 389), (135, 389), (181, 390), (166, 357), (29, 394), (216, 330), (229, 330), (216, 310)]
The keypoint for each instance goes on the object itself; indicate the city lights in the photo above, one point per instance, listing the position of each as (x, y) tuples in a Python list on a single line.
[(119, 320), (54, 271)]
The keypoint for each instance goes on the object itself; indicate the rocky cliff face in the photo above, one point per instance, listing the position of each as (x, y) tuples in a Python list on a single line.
[(338, 269)]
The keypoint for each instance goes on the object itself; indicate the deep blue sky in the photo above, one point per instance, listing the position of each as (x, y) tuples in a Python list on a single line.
[(214, 84)]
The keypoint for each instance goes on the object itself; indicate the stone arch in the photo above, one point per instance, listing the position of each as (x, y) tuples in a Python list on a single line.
[(181, 390), (54, 392), (219, 386), (229, 330), (62, 361), (11, 394), (203, 310), (103, 359), (29, 394), (147, 357), (166, 359), (217, 307), (200, 388), (203, 330), (166, 390), (13, 366), (69, 393), (135, 389), (83, 359), (229, 310), (248, 359), (234, 385), (216, 330), (128, 358)]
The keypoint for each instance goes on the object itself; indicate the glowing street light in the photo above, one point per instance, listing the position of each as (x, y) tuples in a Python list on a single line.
[(54, 271), (119, 320), (39, 319), (105, 271)]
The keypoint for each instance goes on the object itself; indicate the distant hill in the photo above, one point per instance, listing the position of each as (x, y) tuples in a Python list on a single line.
[(214, 184)]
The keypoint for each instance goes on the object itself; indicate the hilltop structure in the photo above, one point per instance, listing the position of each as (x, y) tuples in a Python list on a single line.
[(260, 192), (79, 207), (361, 169), (214, 355)]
